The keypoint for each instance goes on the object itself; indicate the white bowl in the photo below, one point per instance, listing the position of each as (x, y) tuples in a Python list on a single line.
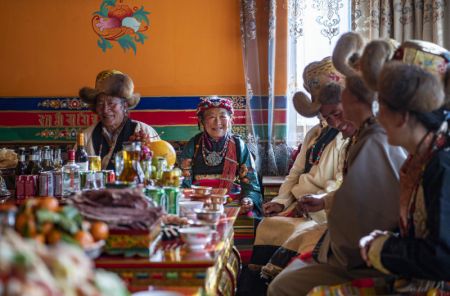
[(188, 208), (196, 237)]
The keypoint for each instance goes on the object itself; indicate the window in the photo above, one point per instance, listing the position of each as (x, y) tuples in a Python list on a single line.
[(314, 28)]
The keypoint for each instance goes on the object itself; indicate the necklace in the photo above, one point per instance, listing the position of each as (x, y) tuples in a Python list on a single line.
[(214, 158)]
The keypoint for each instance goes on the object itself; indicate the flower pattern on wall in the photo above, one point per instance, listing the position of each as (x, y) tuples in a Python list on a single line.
[(118, 22)]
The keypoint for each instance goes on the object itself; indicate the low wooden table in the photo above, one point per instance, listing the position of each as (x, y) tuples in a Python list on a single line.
[(214, 270)]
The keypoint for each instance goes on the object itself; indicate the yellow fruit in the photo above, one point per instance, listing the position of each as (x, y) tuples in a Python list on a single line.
[(99, 230), (164, 149)]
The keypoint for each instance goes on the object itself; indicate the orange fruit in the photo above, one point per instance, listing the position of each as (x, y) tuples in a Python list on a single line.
[(53, 237), (99, 230), (46, 227), (84, 238), (164, 149), (40, 238), (48, 203), (21, 221)]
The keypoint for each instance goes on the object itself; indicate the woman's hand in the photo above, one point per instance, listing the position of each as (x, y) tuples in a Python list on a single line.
[(246, 206), (366, 241), (272, 208)]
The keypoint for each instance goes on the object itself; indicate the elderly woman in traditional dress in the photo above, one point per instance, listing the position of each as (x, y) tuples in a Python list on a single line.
[(111, 100), (411, 100), (366, 197), (216, 154)]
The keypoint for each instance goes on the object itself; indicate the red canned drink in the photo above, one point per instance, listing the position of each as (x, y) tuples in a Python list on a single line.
[(57, 184), (46, 184), (30, 185), (20, 186), (108, 176)]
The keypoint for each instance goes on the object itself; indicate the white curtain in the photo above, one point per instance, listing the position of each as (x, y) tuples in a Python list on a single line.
[(403, 19), (314, 28)]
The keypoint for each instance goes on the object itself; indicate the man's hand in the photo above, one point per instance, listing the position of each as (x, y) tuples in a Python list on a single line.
[(272, 208), (366, 241), (311, 204)]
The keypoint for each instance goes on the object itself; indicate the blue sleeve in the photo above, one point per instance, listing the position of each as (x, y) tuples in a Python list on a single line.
[(188, 153), (249, 183)]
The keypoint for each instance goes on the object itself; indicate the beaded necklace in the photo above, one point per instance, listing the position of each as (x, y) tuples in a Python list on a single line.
[(211, 157)]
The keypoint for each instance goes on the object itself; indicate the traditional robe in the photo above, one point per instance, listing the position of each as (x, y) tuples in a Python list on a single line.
[(366, 200), (96, 144), (422, 251), (245, 166)]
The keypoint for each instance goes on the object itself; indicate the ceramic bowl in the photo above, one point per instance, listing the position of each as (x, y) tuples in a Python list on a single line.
[(201, 190), (196, 237), (188, 208), (209, 216), (220, 191)]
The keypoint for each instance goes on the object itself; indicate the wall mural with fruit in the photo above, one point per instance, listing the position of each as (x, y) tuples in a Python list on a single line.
[(120, 23)]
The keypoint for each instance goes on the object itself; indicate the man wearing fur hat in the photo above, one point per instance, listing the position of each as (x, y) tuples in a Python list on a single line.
[(111, 99), (366, 198), (317, 170)]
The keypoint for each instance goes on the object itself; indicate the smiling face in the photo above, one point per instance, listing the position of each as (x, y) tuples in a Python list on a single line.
[(216, 122), (111, 111), (334, 115)]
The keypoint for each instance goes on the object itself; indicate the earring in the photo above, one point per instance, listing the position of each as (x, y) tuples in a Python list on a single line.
[(375, 107)]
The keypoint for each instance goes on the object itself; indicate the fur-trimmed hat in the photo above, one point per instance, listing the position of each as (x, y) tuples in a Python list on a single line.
[(112, 83), (315, 76), (347, 60), (405, 86)]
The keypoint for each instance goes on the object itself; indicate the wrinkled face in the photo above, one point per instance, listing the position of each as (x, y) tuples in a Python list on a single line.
[(111, 110), (216, 122), (334, 115)]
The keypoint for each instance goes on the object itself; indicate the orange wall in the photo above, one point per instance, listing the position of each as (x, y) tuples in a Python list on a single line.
[(49, 48)]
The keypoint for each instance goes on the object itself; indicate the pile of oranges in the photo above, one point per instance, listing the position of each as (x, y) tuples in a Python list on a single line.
[(44, 220)]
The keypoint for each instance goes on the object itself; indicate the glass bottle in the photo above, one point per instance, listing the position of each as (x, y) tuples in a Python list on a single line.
[(34, 165), (57, 160), (71, 175), (81, 156), (47, 162), (132, 171), (21, 167)]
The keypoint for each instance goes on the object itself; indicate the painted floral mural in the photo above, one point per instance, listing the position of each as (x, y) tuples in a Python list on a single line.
[(121, 23)]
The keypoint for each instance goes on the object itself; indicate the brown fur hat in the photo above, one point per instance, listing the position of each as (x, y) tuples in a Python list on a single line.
[(112, 83), (414, 54), (315, 76), (404, 87), (347, 60)]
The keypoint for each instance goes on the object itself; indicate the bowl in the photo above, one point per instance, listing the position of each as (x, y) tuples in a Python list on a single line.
[(220, 191), (188, 208), (201, 190), (196, 237), (208, 216)]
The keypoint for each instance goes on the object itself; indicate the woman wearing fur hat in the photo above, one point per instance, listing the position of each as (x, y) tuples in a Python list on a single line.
[(217, 157), (370, 180), (111, 99), (411, 96)]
